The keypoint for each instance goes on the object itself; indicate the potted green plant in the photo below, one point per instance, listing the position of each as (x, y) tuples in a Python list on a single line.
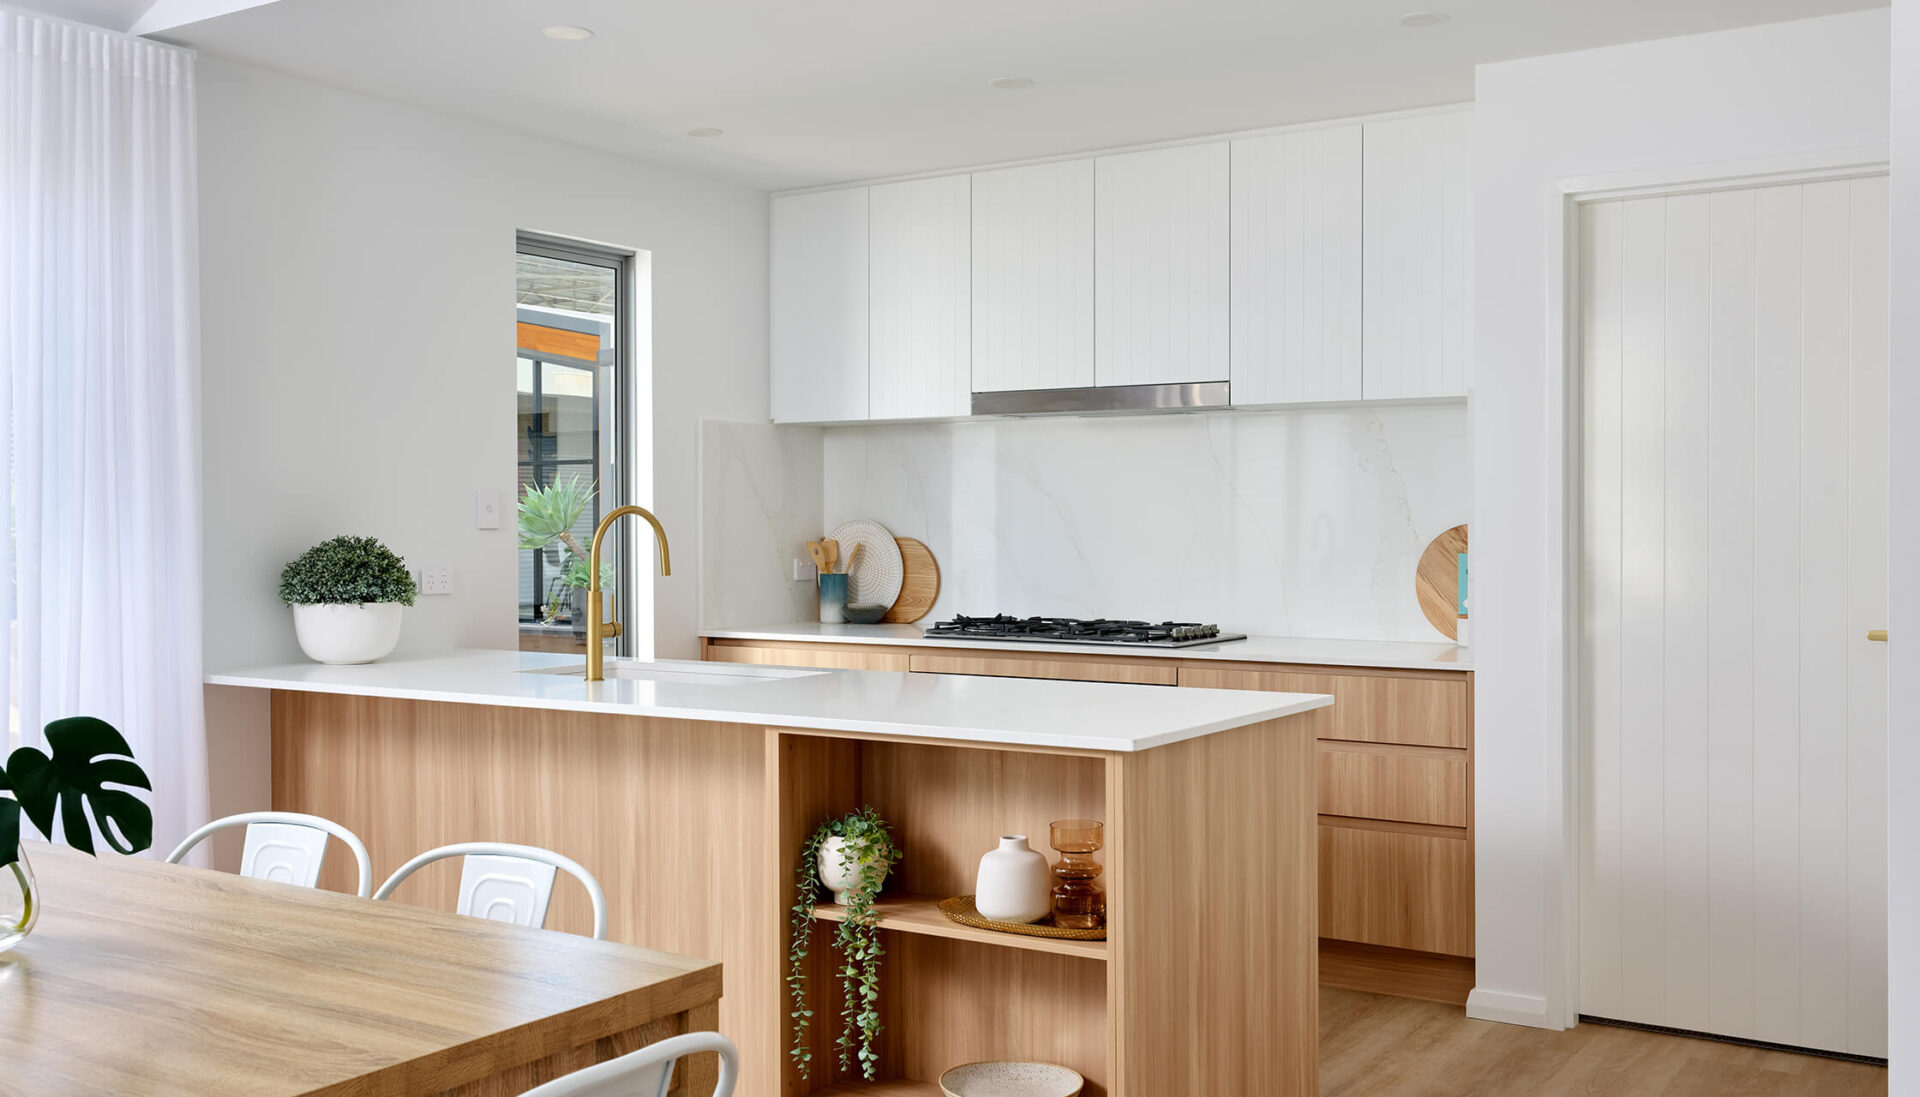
[(851, 856), (88, 756), (548, 516), (346, 595)]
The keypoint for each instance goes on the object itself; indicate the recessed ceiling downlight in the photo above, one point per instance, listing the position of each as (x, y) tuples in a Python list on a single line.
[(705, 131), (1424, 18), (564, 33), (1010, 83)]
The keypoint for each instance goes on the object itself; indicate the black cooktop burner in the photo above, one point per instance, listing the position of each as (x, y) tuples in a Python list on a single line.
[(1067, 630)]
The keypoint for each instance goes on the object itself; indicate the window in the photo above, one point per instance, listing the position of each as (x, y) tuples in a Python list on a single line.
[(573, 371)]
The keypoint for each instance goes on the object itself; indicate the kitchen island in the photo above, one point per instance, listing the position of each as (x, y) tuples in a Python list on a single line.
[(689, 788)]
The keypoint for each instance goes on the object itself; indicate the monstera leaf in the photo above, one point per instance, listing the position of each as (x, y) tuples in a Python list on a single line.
[(88, 755)]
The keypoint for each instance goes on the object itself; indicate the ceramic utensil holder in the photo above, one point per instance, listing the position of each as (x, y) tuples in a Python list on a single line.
[(833, 598)]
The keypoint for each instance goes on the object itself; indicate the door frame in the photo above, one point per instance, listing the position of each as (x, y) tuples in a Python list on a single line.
[(1566, 445)]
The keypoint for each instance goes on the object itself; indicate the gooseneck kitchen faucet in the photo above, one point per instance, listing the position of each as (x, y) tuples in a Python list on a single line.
[(598, 630)]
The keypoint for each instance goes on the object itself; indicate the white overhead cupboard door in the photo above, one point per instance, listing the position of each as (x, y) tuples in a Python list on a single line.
[(1734, 557), (818, 287), (1418, 256), (1033, 277), (920, 324), (1295, 242), (1160, 266)]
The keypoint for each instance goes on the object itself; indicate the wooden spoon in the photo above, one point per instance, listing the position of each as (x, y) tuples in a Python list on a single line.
[(819, 553), (833, 554)]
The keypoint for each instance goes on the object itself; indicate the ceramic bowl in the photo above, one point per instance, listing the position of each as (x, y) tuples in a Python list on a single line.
[(865, 613), (1011, 1080)]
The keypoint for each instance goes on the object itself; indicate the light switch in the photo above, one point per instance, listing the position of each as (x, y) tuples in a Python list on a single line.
[(486, 508)]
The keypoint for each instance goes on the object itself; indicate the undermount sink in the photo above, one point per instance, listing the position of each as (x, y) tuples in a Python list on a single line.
[(687, 674)]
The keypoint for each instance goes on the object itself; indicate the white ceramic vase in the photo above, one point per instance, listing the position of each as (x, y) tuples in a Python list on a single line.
[(347, 634), (1014, 884), (838, 871)]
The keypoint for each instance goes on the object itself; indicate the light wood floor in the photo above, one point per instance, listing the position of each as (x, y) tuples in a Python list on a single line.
[(1375, 1046)]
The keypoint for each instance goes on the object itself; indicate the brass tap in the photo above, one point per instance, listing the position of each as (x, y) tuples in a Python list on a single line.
[(598, 630)]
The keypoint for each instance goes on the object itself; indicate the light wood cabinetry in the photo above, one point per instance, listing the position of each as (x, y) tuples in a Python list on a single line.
[(1402, 887), (1418, 708), (1069, 668), (1033, 277), (818, 324), (1418, 261), (1393, 776), (1296, 243), (920, 326), (1160, 266)]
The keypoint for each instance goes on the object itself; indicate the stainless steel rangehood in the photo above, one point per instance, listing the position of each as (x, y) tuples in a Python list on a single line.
[(1105, 398)]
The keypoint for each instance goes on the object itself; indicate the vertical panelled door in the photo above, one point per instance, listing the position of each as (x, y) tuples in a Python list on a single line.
[(1734, 558)]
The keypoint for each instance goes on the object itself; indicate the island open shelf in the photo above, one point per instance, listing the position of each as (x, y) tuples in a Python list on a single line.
[(921, 914)]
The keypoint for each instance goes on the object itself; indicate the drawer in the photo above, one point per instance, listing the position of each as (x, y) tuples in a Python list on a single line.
[(1397, 887), (829, 656), (1066, 668), (1386, 781), (1367, 708)]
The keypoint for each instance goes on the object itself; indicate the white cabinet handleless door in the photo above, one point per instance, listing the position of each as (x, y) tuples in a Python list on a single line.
[(1160, 266), (1418, 260), (819, 309), (922, 365), (1296, 240), (1033, 277)]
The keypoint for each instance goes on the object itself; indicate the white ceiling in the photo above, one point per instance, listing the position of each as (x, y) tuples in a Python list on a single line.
[(813, 91)]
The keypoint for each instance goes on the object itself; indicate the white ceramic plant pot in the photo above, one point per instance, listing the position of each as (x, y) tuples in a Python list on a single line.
[(837, 870), (347, 634), (1014, 884)]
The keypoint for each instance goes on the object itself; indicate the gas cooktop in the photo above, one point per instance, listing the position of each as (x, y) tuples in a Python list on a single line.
[(1068, 630)]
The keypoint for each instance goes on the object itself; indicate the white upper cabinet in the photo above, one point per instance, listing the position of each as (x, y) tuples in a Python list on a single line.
[(920, 242), (1418, 259), (1033, 277), (1160, 266), (819, 323), (1296, 243)]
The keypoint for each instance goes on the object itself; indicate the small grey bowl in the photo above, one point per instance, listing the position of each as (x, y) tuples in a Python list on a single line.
[(865, 613)]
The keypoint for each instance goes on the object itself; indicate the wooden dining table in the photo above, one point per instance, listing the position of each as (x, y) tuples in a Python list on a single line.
[(152, 980)]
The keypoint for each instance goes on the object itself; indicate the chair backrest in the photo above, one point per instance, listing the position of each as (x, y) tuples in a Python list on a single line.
[(647, 1072), (285, 846), (506, 883)]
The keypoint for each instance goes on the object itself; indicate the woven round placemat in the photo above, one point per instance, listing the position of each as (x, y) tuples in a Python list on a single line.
[(960, 908)]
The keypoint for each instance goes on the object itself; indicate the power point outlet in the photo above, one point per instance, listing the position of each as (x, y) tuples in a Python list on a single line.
[(436, 580), (804, 571)]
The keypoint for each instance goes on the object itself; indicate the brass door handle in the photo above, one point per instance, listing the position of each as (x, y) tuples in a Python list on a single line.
[(1877, 635)]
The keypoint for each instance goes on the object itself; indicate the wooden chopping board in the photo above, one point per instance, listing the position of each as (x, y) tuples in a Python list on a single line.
[(921, 586), (1436, 581)]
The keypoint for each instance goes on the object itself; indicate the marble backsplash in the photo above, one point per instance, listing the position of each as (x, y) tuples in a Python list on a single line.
[(1304, 522), (760, 503)]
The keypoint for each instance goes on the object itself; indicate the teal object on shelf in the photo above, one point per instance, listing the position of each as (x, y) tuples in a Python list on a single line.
[(1460, 560), (833, 598)]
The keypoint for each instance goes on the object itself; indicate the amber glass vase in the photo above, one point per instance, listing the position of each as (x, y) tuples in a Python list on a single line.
[(1078, 902)]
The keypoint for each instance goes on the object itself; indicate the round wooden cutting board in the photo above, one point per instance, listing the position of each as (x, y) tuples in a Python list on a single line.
[(1437, 581), (921, 586)]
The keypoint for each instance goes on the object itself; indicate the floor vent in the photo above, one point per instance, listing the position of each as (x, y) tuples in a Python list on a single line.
[(1762, 1044)]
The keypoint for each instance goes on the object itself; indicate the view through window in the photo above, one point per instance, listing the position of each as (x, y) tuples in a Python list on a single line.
[(569, 302)]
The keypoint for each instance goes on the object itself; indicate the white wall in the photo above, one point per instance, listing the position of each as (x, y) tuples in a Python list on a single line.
[(1903, 878), (357, 289), (1758, 92), (760, 503), (357, 311), (1307, 522)]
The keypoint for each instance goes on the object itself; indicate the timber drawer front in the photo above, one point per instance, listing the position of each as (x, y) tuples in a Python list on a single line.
[(1387, 707)]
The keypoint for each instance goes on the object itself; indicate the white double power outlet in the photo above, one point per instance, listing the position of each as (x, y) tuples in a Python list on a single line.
[(436, 580)]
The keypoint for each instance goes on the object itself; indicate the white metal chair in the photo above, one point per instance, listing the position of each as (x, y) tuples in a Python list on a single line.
[(285, 846), (506, 883), (647, 1072)]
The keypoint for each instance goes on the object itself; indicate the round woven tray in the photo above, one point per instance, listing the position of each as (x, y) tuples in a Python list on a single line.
[(960, 908)]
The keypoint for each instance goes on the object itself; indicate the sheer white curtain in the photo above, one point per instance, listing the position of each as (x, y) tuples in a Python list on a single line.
[(99, 284)]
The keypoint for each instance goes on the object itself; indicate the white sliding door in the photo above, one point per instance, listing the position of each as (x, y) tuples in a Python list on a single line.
[(1734, 555)]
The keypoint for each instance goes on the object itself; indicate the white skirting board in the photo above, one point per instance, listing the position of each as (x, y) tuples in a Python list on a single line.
[(1512, 1009)]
